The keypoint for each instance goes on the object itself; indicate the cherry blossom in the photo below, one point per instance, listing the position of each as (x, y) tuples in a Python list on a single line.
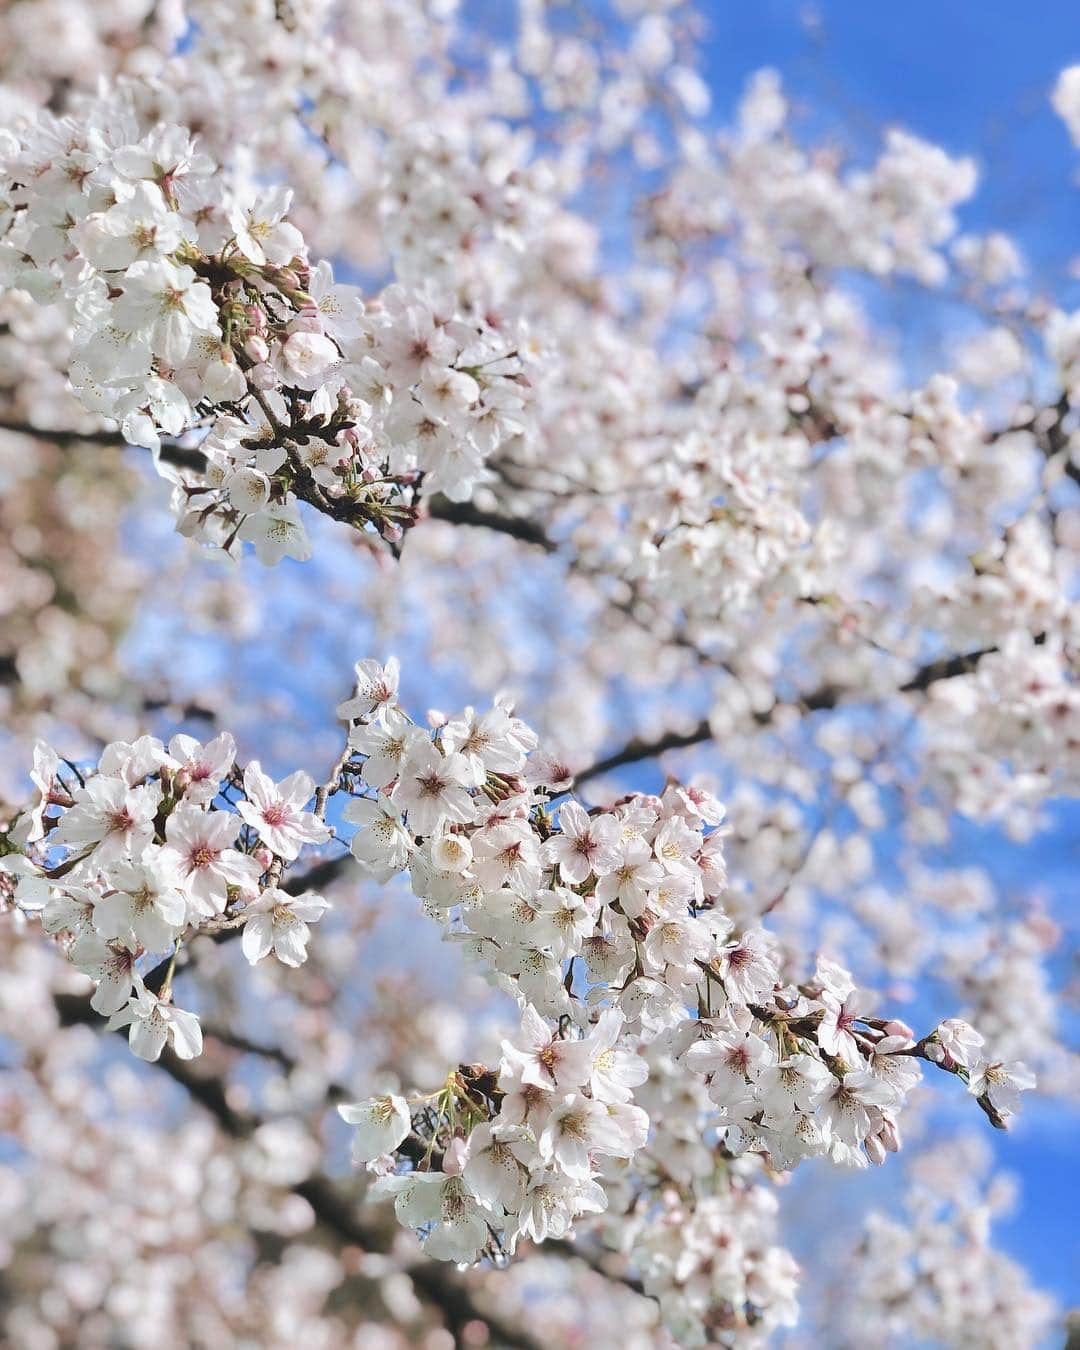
[(276, 811), (524, 352)]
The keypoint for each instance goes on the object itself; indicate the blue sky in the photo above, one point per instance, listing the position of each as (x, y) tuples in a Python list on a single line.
[(974, 78)]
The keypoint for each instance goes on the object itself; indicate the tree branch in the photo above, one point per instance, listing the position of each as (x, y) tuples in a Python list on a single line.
[(333, 1210), (465, 513), (822, 699)]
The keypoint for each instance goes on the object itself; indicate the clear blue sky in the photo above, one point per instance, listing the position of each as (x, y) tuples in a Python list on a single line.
[(973, 77)]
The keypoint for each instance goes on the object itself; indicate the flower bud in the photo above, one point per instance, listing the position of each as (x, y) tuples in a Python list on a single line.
[(875, 1149), (307, 321), (263, 377), (454, 1158), (255, 349), (451, 852)]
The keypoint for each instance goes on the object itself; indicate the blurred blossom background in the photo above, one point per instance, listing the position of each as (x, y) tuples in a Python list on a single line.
[(127, 1214)]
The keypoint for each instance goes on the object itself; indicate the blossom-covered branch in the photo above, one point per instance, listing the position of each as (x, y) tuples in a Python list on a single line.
[(608, 927)]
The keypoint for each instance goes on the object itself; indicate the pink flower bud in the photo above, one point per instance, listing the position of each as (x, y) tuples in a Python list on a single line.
[(889, 1135), (263, 857), (454, 1158), (307, 321), (895, 1027), (875, 1149), (263, 377), (256, 349)]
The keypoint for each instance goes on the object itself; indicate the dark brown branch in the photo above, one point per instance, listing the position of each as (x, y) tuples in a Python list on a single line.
[(828, 696), (466, 513), (65, 436), (334, 1211), (339, 509)]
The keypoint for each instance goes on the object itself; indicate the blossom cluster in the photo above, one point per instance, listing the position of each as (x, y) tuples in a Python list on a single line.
[(196, 309), (609, 929), (157, 844), (664, 1055), (656, 347)]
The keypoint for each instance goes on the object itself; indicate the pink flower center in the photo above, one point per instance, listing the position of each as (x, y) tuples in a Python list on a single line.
[(120, 821)]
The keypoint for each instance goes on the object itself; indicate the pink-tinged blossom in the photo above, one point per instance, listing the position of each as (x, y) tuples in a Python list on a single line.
[(433, 788), (112, 819), (376, 687), (583, 845), (543, 1058), (276, 811), (748, 967), (111, 965), (201, 769), (836, 1034), (199, 846), (507, 854), (729, 1061)]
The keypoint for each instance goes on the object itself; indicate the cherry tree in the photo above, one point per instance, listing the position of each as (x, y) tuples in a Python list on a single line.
[(503, 694)]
